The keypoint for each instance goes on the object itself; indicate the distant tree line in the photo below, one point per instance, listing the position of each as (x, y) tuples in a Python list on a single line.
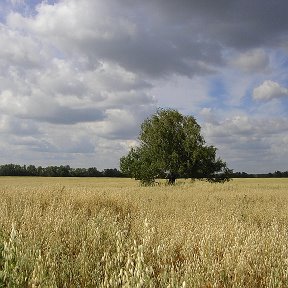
[(276, 174), (56, 171), (67, 171)]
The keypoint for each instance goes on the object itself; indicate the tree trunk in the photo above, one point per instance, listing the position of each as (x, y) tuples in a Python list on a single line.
[(171, 179)]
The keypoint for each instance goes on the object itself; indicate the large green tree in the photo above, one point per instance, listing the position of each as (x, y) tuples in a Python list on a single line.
[(172, 146)]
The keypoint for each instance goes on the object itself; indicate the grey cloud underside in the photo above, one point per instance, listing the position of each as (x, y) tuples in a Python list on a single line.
[(81, 147), (34, 144), (163, 37), (65, 115), (159, 38), (22, 128), (157, 53), (154, 55), (249, 142), (239, 24)]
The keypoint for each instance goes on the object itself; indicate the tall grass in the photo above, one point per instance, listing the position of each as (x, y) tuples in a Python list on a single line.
[(113, 233)]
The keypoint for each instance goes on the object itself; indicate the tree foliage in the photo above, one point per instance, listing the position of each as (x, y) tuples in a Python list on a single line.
[(56, 171), (172, 146)]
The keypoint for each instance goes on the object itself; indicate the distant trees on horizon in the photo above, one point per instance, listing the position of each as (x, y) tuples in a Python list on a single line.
[(56, 171), (67, 171), (276, 174)]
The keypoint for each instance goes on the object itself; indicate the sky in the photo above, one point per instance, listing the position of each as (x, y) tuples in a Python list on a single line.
[(78, 77)]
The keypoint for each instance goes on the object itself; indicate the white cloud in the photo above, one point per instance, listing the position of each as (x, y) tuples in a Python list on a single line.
[(255, 60), (62, 90), (59, 103), (122, 123), (269, 90), (75, 26), (19, 50), (209, 115), (249, 143), (182, 93)]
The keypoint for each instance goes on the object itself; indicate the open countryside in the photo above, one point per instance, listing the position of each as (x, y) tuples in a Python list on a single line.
[(111, 232), (182, 106)]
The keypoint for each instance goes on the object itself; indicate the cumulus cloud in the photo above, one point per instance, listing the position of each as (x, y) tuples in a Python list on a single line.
[(252, 61), (247, 141), (239, 24), (19, 50), (269, 90), (209, 115), (57, 100), (63, 91), (10, 125), (110, 31), (121, 123), (77, 77)]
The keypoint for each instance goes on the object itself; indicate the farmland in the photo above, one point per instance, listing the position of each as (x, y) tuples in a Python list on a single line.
[(104, 232)]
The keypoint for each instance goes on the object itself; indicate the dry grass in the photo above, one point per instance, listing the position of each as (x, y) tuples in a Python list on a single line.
[(112, 233)]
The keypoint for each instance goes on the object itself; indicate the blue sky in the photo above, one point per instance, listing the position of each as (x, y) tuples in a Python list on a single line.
[(77, 78)]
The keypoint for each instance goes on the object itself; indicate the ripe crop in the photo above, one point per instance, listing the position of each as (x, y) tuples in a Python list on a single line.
[(57, 232)]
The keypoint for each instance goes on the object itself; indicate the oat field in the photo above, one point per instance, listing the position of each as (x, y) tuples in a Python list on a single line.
[(69, 232)]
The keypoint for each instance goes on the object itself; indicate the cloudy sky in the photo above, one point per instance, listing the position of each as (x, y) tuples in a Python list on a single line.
[(77, 77)]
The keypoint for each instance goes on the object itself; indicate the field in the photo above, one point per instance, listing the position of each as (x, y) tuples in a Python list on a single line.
[(57, 232)]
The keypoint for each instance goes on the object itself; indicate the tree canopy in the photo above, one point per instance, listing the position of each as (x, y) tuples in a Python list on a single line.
[(171, 146)]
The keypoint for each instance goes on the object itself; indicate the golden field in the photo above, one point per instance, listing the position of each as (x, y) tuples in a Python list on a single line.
[(84, 232)]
